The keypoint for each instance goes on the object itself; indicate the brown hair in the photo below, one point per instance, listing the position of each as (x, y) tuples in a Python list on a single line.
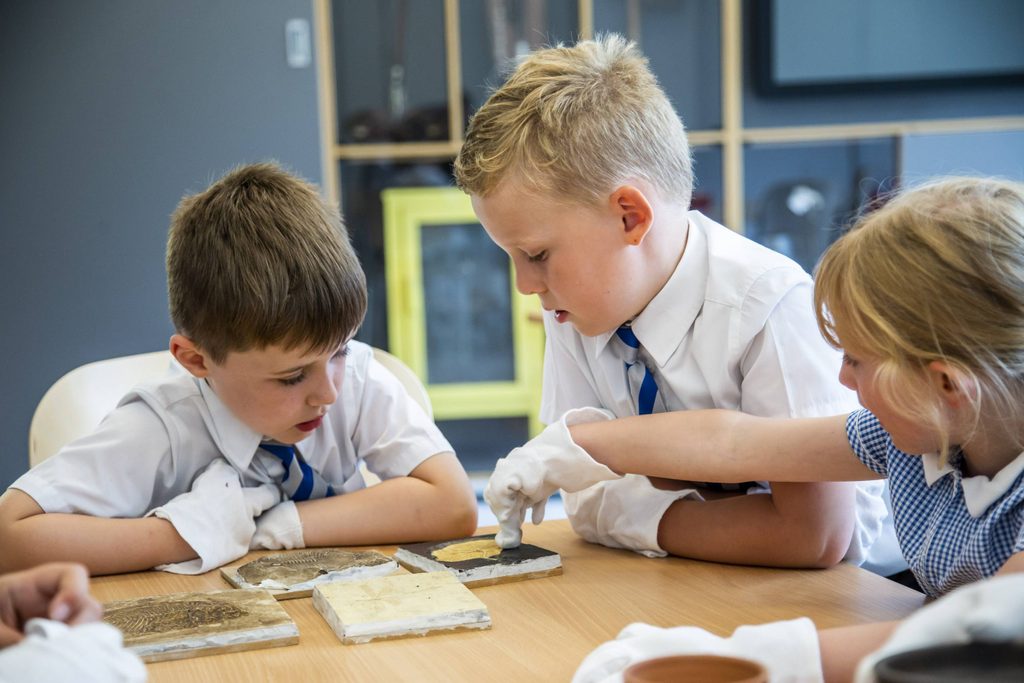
[(936, 274), (258, 258), (576, 122)]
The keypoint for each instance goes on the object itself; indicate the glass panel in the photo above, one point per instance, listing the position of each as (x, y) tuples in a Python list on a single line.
[(963, 98), (468, 306), (495, 32), (800, 196), (361, 185), (707, 186), (681, 39), (391, 82), (479, 443)]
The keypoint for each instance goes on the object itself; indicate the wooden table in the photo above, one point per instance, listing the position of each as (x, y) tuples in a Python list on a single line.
[(542, 628)]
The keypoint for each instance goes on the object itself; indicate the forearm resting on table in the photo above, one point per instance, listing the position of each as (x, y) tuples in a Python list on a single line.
[(842, 648), (797, 525), (724, 446), (29, 537), (435, 502)]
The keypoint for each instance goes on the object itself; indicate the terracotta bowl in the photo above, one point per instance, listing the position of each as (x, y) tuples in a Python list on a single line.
[(703, 668)]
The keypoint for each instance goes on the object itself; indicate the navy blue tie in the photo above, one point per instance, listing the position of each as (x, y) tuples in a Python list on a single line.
[(648, 387), (300, 481)]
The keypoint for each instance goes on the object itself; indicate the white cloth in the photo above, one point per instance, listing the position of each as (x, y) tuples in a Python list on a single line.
[(53, 652), (787, 649), (733, 328), (279, 528), (623, 513), (530, 474), (217, 517), (150, 448), (987, 611)]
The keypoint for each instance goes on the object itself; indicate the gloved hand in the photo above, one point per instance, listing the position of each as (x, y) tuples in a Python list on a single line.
[(217, 517), (279, 528), (624, 513), (986, 611), (787, 649), (52, 652), (528, 475)]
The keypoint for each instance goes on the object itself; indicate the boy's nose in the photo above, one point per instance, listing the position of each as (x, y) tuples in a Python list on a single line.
[(527, 282), (326, 391)]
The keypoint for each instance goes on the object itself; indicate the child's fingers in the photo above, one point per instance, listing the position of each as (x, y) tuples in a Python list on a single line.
[(75, 609), (9, 635), (538, 511)]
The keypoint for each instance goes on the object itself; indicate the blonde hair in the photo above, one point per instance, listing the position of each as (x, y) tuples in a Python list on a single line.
[(576, 122), (259, 258), (936, 274)]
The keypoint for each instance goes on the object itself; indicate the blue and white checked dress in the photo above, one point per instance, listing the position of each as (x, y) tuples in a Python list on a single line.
[(944, 544)]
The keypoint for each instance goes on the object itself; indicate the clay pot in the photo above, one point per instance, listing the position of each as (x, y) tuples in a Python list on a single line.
[(702, 668)]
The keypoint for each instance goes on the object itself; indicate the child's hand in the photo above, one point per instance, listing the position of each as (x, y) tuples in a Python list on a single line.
[(57, 591), (624, 513), (532, 473), (986, 611), (787, 649), (217, 517), (279, 528)]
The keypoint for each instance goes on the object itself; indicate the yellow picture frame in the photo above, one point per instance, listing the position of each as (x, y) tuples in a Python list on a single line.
[(407, 212)]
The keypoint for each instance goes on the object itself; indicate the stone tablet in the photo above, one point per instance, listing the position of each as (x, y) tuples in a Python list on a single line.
[(479, 561), (292, 574), (399, 606), (193, 624)]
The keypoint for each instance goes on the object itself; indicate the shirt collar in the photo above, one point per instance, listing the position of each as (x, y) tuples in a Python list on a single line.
[(679, 301), (980, 492), (235, 439)]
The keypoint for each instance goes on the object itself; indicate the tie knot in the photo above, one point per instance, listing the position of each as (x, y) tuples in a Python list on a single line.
[(283, 452), (628, 337)]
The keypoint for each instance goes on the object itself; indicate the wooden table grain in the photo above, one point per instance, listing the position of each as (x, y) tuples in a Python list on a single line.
[(542, 628)]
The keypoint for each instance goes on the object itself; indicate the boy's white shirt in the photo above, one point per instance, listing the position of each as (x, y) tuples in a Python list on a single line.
[(732, 328), (150, 448)]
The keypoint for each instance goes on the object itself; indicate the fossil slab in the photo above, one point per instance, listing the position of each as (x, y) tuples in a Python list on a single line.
[(192, 624), (399, 606), (293, 574), (479, 561)]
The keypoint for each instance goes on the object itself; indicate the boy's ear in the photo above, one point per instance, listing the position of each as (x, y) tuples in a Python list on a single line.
[(635, 212), (189, 355), (956, 388)]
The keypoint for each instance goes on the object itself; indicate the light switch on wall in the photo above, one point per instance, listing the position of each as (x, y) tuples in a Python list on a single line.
[(297, 44)]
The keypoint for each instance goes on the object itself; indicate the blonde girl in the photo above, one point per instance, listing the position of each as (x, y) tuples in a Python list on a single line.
[(926, 298)]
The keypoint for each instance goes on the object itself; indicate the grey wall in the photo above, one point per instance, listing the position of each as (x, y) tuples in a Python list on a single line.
[(109, 112)]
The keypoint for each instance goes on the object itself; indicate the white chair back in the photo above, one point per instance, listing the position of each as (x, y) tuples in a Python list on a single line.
[(78, 401)]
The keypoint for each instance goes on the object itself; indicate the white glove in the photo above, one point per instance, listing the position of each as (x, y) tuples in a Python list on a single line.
[(216, 517), (53, 652), (624, 513), (787, 649), (987, 611), (279, 528), (529, 475)]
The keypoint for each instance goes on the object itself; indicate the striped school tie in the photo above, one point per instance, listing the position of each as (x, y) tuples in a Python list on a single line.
[(637, 373), (300, 481)]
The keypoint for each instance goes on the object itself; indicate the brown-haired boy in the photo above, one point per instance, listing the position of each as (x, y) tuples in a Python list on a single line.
[(579, 168), (277, 402)]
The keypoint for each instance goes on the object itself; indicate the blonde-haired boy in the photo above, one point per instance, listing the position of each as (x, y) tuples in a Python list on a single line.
[(579, 168), (259, 443)]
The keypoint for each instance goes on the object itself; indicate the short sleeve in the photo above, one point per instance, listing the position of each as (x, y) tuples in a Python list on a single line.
[(115, 471), (869, 441), (565, 385), (788, 369), (392, 433)]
